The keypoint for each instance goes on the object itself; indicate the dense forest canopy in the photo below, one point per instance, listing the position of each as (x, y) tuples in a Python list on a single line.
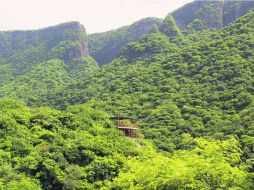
[(189, 87)]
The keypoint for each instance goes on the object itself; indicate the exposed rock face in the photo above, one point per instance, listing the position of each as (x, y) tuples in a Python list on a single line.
[(213, 14), (77, 51), (85, 49)]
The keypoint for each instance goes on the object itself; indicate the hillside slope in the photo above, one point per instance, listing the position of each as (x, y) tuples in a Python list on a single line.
[(104, 47), (200, 84), (211, 14), (24, 49), (198, 15)]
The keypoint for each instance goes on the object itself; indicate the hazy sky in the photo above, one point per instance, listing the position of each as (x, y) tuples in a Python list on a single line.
[(95, 15)]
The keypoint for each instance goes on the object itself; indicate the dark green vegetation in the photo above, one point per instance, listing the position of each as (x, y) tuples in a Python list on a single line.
[(211, 14), (104, 47), (169, 27), (192, 93), (24, 49)]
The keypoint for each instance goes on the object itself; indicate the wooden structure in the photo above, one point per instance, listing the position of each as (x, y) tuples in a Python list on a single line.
[(127, 125)]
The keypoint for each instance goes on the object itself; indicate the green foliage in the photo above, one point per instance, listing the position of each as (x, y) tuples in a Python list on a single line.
[(45, 80), (48, 149), (196, 25), (198, 15), (149, 44), (36, 65), (212, 14), (25, 183), (205, 167), (104, 47), (233, 7), (80, 148), (154, 29), (196, 85), (21, 50), (169, 27)]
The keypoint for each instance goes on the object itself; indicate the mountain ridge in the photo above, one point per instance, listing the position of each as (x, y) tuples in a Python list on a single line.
[(212, 14), (197, 15)]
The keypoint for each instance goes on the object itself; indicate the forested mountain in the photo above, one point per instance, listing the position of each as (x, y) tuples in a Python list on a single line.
[(37, 64), (27, 48), (104, 47), (191, 93), (210, 14)]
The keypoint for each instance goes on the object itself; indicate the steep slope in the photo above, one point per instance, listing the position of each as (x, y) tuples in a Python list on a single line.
[(104, 47), (235, 9), (211, 14)]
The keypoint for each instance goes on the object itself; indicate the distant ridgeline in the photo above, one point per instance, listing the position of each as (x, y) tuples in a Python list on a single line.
[(195, 16), (26, 48)]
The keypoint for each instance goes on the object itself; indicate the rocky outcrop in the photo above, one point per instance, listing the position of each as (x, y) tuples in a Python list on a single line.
[(77, 51)]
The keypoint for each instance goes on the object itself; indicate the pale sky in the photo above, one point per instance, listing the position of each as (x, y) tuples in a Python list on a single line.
[(95, 15)]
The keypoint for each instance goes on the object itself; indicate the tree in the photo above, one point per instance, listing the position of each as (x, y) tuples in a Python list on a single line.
[(154, 29), (169, 27)]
